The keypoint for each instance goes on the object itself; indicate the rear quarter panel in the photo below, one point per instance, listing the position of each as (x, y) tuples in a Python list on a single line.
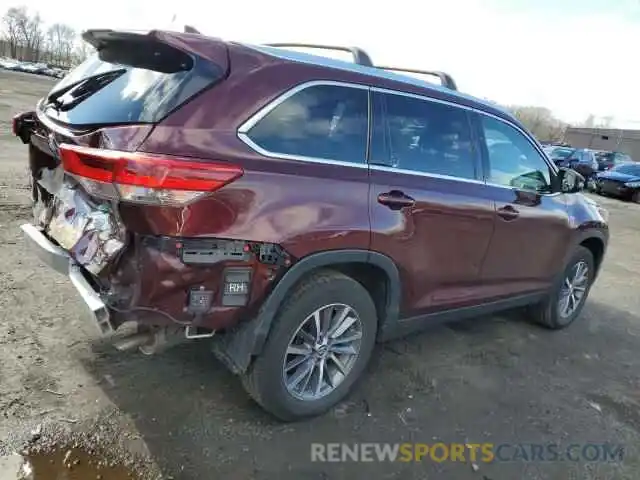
[(303, 206)]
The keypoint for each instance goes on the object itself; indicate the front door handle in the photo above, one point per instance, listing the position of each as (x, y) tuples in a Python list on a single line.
[(508, 212), (395, 200)]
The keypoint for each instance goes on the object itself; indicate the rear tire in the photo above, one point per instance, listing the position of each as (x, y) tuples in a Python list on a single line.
[(550, 313), (271, 379)]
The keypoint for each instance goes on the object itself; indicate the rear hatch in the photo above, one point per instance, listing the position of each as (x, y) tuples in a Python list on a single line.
[(84, 134)]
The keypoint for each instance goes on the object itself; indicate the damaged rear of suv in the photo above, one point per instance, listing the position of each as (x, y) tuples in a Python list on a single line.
[(293, 209), (101, 205)]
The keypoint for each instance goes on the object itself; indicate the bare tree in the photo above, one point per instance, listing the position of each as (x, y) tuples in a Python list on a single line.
[(597, 122), (61, 39), (82, 51), (11, 20), (28, 32), (606, 121), (589, 122), (541, 122)]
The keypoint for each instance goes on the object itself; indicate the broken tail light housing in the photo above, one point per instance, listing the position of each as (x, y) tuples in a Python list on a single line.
[(143, 177)]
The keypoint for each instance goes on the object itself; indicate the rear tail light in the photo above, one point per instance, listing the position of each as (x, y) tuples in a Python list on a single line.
[(145, 178)]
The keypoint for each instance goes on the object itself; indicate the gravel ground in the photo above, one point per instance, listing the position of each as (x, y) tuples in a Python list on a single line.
[(498, 379)]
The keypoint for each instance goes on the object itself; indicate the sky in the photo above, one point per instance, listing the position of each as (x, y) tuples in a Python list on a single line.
[(576, 57)]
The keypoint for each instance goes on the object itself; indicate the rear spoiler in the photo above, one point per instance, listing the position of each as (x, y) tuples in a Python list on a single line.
[(360, 57), (208, 48)]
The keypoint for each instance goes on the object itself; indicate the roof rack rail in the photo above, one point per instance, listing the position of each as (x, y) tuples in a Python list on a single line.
[(359, 56), (362, 58), (446, 79)]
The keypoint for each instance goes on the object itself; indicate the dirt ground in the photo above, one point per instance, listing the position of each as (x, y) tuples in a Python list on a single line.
[(499, 380)]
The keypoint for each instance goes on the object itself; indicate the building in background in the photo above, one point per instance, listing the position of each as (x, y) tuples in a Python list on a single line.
[(611, 139)]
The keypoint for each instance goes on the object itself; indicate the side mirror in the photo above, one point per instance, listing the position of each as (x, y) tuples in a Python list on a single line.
[(570, 180)]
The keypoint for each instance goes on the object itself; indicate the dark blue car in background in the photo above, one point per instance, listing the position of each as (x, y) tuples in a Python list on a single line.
[(622, 181), (582, 160)]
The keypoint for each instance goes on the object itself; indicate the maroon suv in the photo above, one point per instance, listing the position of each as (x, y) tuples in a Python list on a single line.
[(294, 209)]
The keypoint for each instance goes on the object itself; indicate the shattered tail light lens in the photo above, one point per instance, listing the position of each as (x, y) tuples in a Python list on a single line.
[(145, 178)]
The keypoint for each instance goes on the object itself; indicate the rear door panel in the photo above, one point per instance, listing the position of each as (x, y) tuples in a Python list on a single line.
[(439, 242)]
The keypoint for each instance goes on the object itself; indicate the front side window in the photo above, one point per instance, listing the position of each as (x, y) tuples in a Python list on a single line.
[(322, 122), (514, 162), (422, 136)]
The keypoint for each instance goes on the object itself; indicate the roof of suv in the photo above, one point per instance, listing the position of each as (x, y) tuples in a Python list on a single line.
[(303, 57)]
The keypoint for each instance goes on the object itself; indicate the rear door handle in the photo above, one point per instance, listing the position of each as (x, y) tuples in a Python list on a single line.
[(508, 212), (395, 200)]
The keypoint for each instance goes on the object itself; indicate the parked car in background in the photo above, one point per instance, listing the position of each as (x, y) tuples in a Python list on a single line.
[(622, 181), (608, 160), (582, 160), (559, 153), (294, 209), (34, 68), (8, 63)]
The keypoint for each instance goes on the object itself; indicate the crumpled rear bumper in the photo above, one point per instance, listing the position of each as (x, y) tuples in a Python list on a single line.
[(60, 261)]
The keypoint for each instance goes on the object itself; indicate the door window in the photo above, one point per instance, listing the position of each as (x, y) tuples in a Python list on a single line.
[(422, 136), (513, 160), (322, 122)]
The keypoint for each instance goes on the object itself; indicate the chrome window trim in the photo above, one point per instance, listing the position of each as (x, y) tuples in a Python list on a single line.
[(244, 128), (286, 156), (383, 168)]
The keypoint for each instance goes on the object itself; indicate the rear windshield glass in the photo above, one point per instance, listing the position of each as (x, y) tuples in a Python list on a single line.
[(562, 152), (116, 86)]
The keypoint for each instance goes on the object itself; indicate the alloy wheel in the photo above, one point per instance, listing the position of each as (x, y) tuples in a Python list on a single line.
[(322, 352), (573, 289)]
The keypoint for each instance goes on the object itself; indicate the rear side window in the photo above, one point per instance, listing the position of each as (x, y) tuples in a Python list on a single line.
[(124, 84), (320, 122), (422, 136)]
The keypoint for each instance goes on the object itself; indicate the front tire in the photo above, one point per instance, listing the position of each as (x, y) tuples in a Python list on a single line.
[(636, 197), (319, 346), (569, 293)]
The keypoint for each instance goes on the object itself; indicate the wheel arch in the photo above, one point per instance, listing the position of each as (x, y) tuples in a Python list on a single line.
[(595, 241), (236, 349)]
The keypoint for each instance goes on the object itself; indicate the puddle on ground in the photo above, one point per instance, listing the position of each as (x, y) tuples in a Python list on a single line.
[(71, 464)]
